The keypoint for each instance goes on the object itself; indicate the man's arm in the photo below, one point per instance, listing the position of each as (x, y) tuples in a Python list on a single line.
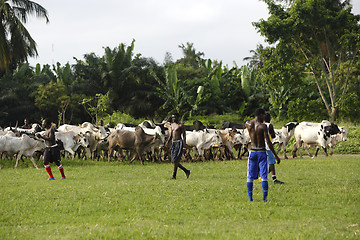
[(51, 136), (271, 131), (170, 136), (271, 147)]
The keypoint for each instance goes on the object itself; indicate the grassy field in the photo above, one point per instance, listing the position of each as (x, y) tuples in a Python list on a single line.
[(319, 200)]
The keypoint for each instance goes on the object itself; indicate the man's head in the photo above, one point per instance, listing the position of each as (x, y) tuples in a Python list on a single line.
[(26, 121), (175, 117), (260, 114), (46, 123)]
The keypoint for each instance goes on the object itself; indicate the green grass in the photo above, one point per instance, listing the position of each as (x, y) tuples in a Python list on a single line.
[(319, 200)]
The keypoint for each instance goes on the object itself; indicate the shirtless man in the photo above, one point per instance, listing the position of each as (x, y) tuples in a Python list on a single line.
[(257, 158), (52, 150), (176, 130)]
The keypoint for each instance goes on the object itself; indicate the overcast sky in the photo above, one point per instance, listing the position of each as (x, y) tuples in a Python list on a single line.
[(222, 30)]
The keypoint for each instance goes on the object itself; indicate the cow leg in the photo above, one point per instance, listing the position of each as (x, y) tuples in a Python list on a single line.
[(32, 159), (88, 153), (17, 159), (245, 147), (279, 147), (187, 155), (209, 155), (325, 151), (317, 150), (140, 156), (284, 149), (134, 155), (71, 152), (307, 150), (201, 155), (238, 148), (197, 155), (110, 153), (222, 154), (295, 150), (231, 153)]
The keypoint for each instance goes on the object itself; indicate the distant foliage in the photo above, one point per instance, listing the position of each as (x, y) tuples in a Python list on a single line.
[(352, 145), (306, 110), (118, 117)]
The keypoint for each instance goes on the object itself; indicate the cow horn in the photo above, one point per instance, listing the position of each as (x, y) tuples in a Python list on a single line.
[(17, 122)]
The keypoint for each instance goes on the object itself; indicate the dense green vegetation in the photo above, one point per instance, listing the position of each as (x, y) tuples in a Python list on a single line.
[(310, 71), (101, 200)]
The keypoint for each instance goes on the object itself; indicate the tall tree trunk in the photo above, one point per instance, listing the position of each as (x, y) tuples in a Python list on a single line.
[(332, 114)]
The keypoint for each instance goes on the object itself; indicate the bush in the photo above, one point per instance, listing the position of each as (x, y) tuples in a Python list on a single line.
[(349, 107), (306, 110), (352, 145), (119, 117), (218, 120)]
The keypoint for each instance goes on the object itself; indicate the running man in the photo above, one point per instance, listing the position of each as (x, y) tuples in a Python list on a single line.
[(52, 149)]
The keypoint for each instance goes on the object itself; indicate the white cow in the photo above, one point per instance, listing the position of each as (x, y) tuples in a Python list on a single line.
[(72, 141), (283, 136), (245, 141), (200, 141), (7, 133), (35, 127), (99, 132), (313, 134), (22, 146), (94, 135)]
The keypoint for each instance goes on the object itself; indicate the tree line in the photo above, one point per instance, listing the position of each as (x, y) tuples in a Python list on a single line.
[(309, 71)]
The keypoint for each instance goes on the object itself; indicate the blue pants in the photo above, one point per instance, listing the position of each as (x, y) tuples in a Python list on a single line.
[(257, 162)]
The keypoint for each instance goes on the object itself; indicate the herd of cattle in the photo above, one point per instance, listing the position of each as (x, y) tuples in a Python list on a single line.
[(146, 140)]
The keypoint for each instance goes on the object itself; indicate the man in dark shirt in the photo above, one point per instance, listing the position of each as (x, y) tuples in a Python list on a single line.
[(26, 124)]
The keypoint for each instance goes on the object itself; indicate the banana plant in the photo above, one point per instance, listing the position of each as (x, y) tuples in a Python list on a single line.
[(171, 91)]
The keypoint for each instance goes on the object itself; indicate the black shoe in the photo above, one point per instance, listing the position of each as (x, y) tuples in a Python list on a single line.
[(277, 182)]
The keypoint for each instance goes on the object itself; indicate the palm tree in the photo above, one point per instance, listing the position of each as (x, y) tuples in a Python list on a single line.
[(16, 44), (191, 57), (255, 60)]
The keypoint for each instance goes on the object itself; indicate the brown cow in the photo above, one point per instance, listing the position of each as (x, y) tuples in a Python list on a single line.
[(229, 140), (137, 141)]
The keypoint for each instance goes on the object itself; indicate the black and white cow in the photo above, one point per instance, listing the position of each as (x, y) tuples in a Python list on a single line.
[(284, 135), (313, 134)]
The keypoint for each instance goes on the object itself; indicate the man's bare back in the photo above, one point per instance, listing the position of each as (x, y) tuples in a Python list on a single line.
[(257, 134)]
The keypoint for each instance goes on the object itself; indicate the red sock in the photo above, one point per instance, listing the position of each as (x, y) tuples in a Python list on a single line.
[(48, 169), (61, 169)]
